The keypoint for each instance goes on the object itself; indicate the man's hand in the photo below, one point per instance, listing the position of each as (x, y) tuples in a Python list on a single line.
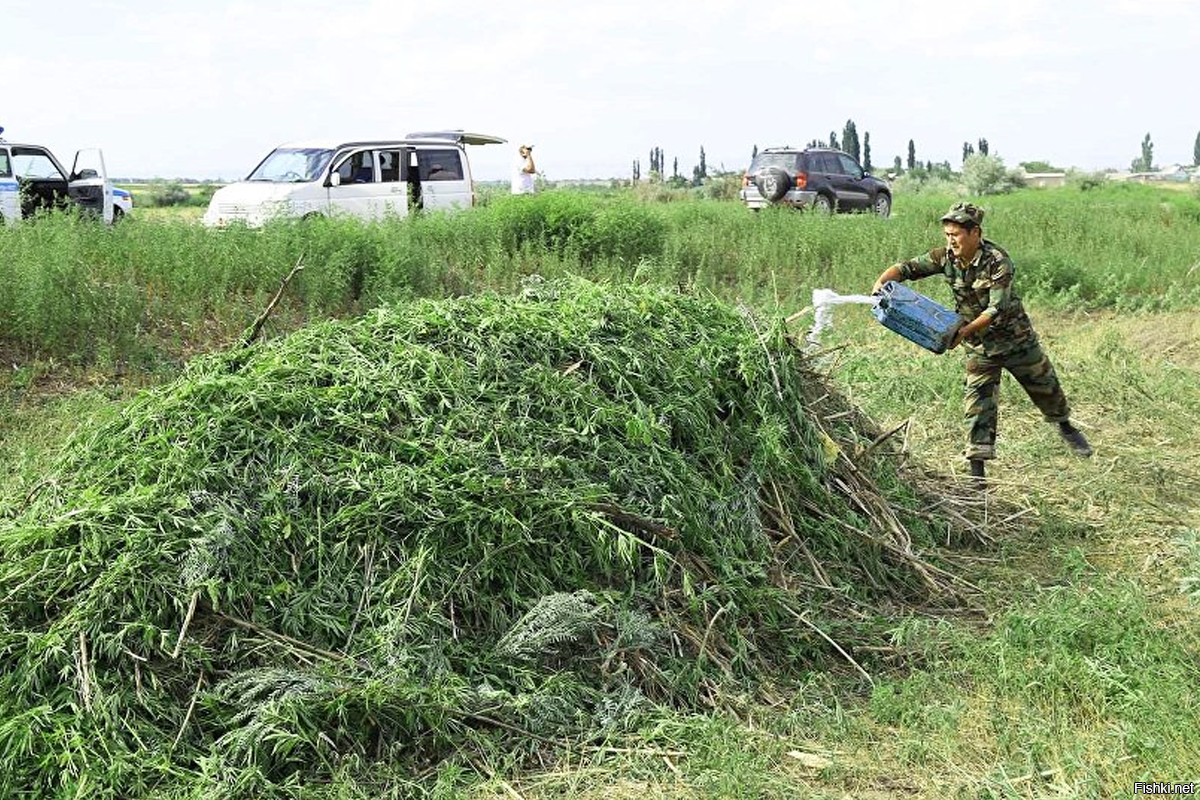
[(969, 329), (892, 273)]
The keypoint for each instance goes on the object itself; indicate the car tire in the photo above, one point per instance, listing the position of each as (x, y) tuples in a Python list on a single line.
[(117, 215), (883, 205), (822, 204), (773, 183)]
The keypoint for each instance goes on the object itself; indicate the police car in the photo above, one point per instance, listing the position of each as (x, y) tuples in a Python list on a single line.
[(31, 178), (122, 203)]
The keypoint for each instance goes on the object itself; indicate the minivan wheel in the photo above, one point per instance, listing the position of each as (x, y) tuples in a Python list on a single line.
[(822, 204), (883, 205), (773, 183)]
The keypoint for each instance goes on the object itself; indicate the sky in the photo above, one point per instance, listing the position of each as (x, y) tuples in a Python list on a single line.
[(206, 89)]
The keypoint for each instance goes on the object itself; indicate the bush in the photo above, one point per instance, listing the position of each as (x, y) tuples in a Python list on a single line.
[(986, 175), (162, 194), (723, 186), (566, 222), (1086, 181), (922, 183)]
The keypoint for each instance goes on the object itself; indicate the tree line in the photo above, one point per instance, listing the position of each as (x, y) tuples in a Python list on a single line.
[(861, 151)]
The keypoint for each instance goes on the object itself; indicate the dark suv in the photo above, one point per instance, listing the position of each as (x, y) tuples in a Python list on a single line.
[(817, 178)]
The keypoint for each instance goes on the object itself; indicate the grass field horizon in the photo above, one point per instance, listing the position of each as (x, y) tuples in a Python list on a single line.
[(1073, 670)]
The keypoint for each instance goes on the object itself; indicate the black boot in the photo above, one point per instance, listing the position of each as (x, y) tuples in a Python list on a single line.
[(978, 472), (1074, 439)]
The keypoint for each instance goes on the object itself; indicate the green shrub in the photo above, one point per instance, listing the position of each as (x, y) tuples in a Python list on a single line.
[(163, 194), (911, 183), (983, 175), (1086, 181)]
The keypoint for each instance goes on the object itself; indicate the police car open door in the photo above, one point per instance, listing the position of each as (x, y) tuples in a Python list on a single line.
[(88, 184)]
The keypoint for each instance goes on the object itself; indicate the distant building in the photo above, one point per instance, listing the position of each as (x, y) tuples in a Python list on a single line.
[(1045, 180), (1173, 173)]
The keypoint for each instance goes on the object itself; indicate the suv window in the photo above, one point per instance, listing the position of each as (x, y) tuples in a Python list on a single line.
[(439, 165), (851, 167), (5, 166), (827, 162), (786, 161), (30, 162)]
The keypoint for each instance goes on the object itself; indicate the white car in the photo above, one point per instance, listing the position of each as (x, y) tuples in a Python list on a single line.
[(368, 179), (32, 178)]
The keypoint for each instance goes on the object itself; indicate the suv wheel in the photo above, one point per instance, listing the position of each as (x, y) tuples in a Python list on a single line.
[(773, 183), (883, 205), (822, 204)]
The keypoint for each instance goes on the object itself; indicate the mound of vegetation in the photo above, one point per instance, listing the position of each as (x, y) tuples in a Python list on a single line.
[(447, 524)]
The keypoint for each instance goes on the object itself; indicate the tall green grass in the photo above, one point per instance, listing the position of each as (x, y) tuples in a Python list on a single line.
[(76, 291)]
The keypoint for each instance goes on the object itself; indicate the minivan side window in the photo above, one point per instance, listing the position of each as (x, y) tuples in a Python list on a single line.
[(440, 165), (389, 166), (5, 166), (358, 168)]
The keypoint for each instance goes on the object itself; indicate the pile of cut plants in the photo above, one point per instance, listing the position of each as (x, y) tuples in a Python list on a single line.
[(379, 546)]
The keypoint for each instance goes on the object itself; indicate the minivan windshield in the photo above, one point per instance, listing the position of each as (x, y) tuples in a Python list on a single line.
[(292, 165)]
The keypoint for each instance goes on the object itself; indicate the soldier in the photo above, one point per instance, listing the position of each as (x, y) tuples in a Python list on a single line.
[(996, 332)]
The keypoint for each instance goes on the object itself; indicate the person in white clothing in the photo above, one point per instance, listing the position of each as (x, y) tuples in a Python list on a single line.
[(524, 172)]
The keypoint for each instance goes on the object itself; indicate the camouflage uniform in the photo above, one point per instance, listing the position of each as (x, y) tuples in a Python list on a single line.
[(984, 286)]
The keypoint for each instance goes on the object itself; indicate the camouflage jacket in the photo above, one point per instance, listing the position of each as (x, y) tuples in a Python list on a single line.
[(983, 286)]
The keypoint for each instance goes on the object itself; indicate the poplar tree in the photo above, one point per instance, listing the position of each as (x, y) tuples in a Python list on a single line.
[(1146, 162), (983, 147), (867, 150), (912, 155), (850, 140), (833, 142)]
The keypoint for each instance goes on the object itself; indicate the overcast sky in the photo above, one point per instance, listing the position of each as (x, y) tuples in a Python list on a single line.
[(206, 89)]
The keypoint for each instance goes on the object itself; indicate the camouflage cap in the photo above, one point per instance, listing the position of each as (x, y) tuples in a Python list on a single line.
[(964, 214)]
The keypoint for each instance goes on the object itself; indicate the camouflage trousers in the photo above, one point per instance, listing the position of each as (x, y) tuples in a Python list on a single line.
[(1032, 369)]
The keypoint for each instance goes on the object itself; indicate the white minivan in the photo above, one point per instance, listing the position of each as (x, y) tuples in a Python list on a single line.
[(366, 179), (32, 178)]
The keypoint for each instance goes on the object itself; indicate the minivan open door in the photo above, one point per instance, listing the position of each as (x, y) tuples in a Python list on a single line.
[(88, 184)]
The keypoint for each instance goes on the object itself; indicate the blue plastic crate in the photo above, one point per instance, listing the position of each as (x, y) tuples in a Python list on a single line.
[(915, 317)]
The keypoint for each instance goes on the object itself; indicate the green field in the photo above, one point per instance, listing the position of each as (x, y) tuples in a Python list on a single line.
[(1069, 668)]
